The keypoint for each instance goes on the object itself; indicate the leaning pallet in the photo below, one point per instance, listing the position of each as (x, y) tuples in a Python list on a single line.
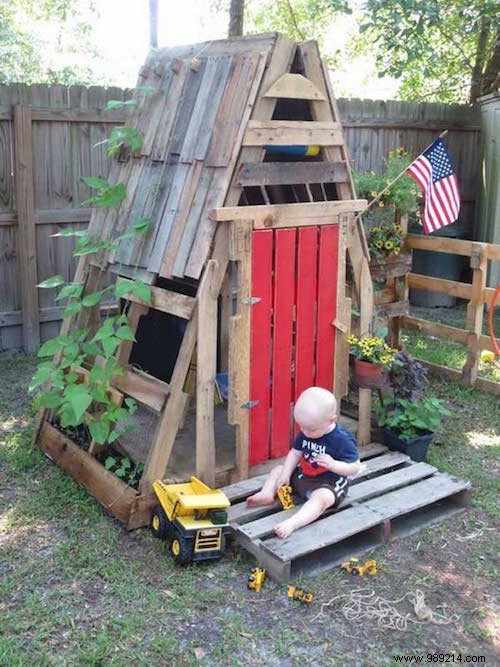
[(246, 256), (392, 497)]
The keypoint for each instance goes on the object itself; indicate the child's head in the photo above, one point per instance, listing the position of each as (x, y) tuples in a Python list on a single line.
[(315, 412)]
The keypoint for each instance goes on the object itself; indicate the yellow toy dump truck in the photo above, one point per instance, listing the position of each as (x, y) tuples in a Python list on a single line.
[(193, 518)]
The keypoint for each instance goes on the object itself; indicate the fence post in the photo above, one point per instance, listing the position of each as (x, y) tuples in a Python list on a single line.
[(475, 311), (26, 237)]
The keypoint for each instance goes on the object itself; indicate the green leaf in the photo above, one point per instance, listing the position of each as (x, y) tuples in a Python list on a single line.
[(109, 462), (72, 289), (53, 281), (109, 345), (51, 347), (96, 183), (50, 399), (91, 349), (142, 225), (92, 299), (118, 104), (72, 308), (125, 333), (122, 288), (99, 430), (97, 374), (79, 398), (142, 291), (69, 231), (114, 435), (131, 405)]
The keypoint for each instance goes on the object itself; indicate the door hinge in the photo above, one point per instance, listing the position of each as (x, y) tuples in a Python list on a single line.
[(249, 404)]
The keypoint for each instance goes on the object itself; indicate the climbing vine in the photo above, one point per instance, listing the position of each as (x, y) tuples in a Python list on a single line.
[(74, 375)]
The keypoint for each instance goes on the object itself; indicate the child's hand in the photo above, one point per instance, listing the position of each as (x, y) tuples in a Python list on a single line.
[(283, 481), (326, 461)]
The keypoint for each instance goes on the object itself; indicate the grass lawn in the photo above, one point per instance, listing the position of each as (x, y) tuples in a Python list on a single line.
[(76, 589)]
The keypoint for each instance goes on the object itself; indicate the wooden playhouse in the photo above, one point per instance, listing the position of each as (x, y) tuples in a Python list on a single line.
[(244, 173)]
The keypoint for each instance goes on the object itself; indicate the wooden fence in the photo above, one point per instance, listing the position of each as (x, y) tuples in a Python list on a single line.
[(477, 295), (50, 138)]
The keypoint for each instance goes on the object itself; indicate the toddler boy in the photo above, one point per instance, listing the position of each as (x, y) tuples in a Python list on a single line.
[(323, 455)]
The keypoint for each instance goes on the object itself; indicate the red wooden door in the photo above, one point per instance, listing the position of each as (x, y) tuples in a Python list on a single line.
[(294, 274)]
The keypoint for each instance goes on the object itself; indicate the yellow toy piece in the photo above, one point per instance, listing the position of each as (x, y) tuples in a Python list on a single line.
[(285, 496), (193, 518), (353, 566), (256, 579), (299, 594)]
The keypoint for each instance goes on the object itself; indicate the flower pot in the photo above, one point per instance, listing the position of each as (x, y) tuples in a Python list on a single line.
[(369, 375), (416, 448)]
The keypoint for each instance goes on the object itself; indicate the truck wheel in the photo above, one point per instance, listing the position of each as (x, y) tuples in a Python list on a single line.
[(181, 549), (160, 525)]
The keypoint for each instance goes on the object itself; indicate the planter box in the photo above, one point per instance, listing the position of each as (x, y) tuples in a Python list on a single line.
[(392, 266), (416, 449)]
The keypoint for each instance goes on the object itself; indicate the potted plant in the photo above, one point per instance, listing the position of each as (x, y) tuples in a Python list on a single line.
[(372, 356), (408, 425)]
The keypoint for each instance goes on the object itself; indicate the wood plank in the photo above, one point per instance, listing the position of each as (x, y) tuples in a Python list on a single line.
[(25, 198), (145, 388), (165, 300), (361, 492), (475, 311), (453, 288), (290, 173), (283, 302), (453, 374), (260, 344), (354, 520), (288, 215), (220, 186), (443, 331), (439, 244), (292, 133), (342, 320), (294, 86), (327, 305), (115, 496), (239, 346), (307, 289), (206, 368), (227, 124)]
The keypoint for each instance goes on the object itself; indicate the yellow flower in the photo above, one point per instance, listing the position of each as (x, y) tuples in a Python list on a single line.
[(396, 251), (389, 245), (398, 228), (381, 204), (379, 244), (373, 193)]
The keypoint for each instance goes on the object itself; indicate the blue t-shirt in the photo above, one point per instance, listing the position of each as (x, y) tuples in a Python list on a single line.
[(340, 444)]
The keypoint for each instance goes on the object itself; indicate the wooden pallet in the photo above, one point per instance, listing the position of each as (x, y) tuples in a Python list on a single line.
[(392, 497)]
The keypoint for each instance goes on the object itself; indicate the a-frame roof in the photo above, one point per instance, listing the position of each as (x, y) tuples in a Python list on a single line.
[(195, 103)]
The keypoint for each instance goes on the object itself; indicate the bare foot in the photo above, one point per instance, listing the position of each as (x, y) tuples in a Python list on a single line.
[(259, 499), (285, 528)]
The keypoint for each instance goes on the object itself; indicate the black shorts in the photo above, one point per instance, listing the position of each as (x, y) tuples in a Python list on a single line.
[(304, 486)]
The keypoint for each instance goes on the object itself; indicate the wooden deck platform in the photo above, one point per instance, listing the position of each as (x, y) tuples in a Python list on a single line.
[(392, 497)]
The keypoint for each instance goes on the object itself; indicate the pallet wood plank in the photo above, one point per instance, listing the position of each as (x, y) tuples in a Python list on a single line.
[(359, 493), (451, 287), (371, 513), (294, 86), (307, 270), (206, 368), (107, 488), (220, 185), (283, 299), (229, 117), (260, 344), (290, 173), (327, 305), (165, 300), (288, 215), (292, 133)]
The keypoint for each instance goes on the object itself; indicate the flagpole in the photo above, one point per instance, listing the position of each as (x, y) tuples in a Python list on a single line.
[(389, 186)]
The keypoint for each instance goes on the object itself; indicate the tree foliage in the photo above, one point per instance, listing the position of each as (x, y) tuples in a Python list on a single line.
[(26, 26), (441, 51)]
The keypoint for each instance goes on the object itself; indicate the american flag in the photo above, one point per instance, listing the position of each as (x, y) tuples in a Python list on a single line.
[(433, 172)]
